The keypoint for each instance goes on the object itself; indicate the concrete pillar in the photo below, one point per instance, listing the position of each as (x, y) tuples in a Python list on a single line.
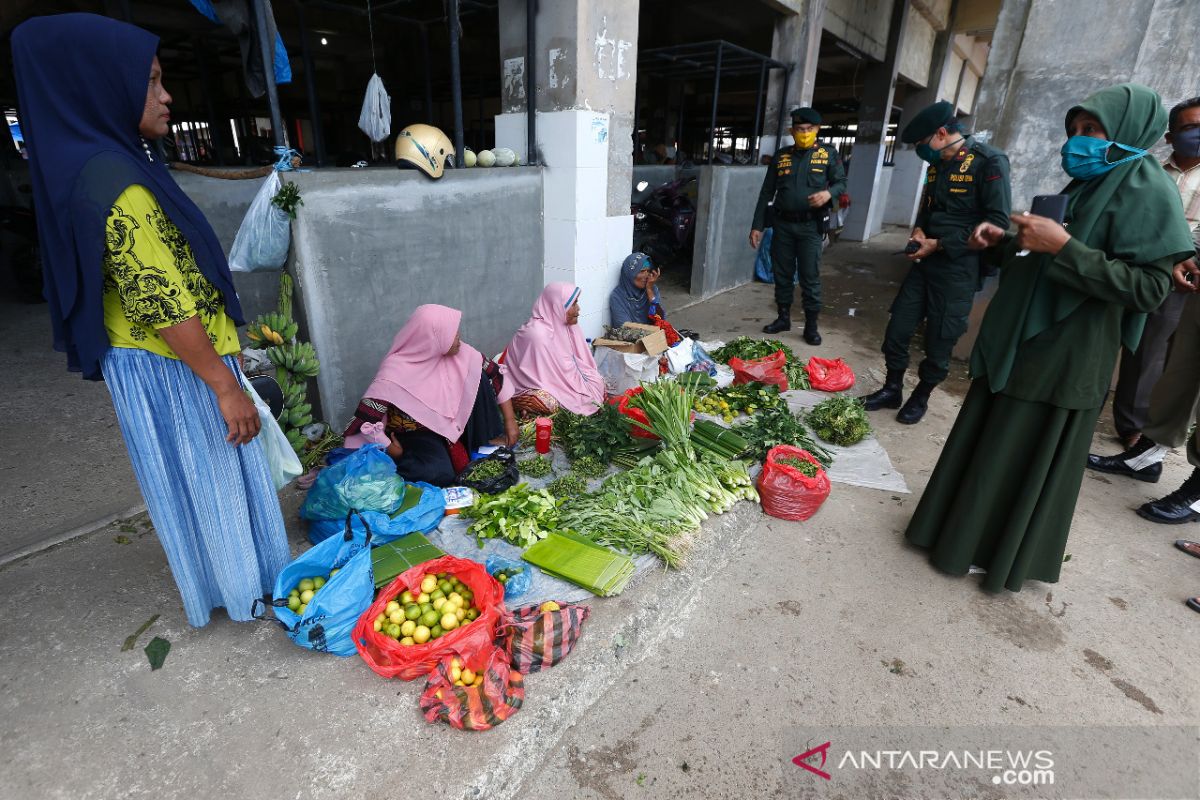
[(585, 78), (797, 42), (908, 172), (867, 184)]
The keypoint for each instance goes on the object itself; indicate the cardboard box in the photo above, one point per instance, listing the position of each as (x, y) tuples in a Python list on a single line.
[(653, 343)]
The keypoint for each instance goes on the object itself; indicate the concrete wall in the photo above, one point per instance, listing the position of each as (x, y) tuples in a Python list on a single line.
[(369, 246), (863, 24), (224, 203), (916, 50), (723, 258)]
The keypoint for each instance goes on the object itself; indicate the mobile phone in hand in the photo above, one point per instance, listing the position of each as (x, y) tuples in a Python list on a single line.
[(1052, 206)]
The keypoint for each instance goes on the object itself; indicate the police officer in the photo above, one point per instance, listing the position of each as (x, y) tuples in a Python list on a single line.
[(803, 180), (966, 185)]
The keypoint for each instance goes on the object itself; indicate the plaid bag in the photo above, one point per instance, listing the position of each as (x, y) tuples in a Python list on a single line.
[(535, 640), (473, 708)]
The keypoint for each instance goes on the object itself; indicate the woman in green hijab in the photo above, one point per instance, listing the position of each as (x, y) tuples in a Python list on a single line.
[(1004, 489)]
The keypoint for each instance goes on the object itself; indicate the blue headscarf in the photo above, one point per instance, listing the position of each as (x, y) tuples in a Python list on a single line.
[(627, 303), (81, 83)]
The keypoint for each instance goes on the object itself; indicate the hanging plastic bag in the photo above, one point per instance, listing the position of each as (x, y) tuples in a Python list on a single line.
[(423, 515), (770, 370), (375, 119), (518, 578), (334, 609), (785, 491), (389, 658), (485, 703), (829, 375), (262, 240), (365, 480), (535, 639), (281, 458), (763, 271)]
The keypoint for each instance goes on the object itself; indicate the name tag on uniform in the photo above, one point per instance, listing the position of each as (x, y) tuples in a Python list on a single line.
[(959, 178), (958, 190)]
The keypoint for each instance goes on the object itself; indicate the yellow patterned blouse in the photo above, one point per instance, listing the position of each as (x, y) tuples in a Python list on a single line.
[(151, 280)]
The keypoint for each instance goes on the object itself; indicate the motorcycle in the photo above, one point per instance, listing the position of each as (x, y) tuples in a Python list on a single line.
[(664, 221)]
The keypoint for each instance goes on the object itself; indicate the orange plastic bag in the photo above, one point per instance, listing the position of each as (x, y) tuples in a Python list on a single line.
[(786, 492), (391, 659), (537, 640), (829, 375), (473, 708), (770, 369)]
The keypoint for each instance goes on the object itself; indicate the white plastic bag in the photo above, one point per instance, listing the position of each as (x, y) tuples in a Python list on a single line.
[(375, 120), (624, 371), (281, 458), (262, 241), (680, 357)]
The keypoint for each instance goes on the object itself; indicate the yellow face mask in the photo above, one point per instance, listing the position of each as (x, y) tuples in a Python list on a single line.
[(805, 140)]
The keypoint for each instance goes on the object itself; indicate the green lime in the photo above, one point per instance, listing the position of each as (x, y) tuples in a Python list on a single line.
[(426, 607), (435, 594), (430, 618), (467, 595), (436, 632), (473, 614), (446, 586), (501, 577), (412, 611)]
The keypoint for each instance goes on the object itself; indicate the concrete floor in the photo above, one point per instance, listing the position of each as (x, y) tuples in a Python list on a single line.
[(685, 686)]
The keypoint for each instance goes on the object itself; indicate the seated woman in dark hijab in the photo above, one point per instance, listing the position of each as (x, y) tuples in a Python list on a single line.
[(636, 298)]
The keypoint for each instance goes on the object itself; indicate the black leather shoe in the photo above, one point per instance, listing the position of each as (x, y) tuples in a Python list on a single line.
[(916, 405), (1175, 508), (890, 396), (782, 323), (811, 334), (1132, 463)]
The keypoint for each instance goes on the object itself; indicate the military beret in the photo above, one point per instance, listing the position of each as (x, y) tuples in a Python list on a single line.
[(928, 121), (805, 115)]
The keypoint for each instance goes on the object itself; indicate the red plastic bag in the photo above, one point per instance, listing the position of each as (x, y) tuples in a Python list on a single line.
[(770, 369), (786, 492), (391, 659), (473, 708), (536, 639), (829, 376)]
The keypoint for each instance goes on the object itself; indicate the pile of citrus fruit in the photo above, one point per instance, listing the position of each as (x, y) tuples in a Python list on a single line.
[(442, 604), (305, 590)]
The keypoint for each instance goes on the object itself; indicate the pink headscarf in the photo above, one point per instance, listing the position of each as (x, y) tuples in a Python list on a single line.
[(417, 377), (547, 353)]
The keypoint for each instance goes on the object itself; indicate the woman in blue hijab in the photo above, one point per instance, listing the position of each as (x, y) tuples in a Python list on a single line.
[(636, 297), (140, 295)]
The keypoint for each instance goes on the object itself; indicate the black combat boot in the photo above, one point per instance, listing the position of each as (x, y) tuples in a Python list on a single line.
[(1142, 462), (916, 405), (1177, 507), (890, 395), (811, 334), (782, 323)]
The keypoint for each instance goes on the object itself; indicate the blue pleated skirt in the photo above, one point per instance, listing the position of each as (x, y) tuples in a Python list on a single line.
[(213, 505)]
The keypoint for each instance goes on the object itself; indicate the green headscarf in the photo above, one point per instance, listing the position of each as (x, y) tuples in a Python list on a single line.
[(1132, 213)]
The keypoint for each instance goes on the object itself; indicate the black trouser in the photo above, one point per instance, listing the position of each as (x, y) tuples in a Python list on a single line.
[(426, 456), (1141, 369), (940, 291), (796, 247)]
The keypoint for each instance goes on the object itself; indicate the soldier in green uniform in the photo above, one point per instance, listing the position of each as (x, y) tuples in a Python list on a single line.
[(803, 180), (966, 185)]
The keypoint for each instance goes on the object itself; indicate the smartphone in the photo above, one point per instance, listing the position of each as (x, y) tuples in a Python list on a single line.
[(1053, 206)]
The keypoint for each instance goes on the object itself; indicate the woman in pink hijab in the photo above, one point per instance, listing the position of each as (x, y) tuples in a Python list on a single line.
[(434, 400), (549, 355)]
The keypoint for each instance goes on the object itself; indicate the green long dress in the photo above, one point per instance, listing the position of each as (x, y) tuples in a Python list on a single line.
[(1004, 489)]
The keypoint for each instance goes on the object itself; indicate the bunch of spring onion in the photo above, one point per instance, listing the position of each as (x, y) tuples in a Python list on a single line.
[(668, 407)]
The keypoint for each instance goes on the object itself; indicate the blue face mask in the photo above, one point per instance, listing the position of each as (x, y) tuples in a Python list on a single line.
[(1086, 157), (1187, 143), (927, 153)]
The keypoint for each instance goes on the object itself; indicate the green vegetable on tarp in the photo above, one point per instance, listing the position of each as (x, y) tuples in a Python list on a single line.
[(840, 420), (806, 468), (391, 558), (775, 426), (575, 558), (599, 435), (589, 467), (747, 348), (519, 515), (568, 485), (485, 470), (536, 467), (157, 651)]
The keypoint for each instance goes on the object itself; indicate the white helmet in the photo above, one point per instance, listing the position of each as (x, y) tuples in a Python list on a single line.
[(424, 147)]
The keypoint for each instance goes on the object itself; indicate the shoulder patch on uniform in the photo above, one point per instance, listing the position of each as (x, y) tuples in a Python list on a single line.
[(966, 164)]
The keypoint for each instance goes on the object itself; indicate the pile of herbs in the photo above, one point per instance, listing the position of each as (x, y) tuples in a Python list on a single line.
[(520, 516), (803, 466), (840, 420), (600, 436), (775, 426), (746, 348)]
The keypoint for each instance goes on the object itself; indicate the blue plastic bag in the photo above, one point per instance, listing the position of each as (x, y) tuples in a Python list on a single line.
[(763, 270), (365, 480), (334, 610), (426, 515), (518, 584)]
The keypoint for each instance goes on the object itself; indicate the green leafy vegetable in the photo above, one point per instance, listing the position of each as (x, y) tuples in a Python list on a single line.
[(568, 485), (807, 468), (287, 199), (599, 435), (840, 420), (745, 348), (589, 467), (536, 467), (485, 470), (775, 426), (520, 515)]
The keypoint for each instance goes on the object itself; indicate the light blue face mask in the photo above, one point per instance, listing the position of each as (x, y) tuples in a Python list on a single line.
[(1086, 157)]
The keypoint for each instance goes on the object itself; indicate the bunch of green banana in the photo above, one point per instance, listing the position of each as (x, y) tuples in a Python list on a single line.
[(298, 358), (293, 393), (271, 329), (298, 417), (296, 439)]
